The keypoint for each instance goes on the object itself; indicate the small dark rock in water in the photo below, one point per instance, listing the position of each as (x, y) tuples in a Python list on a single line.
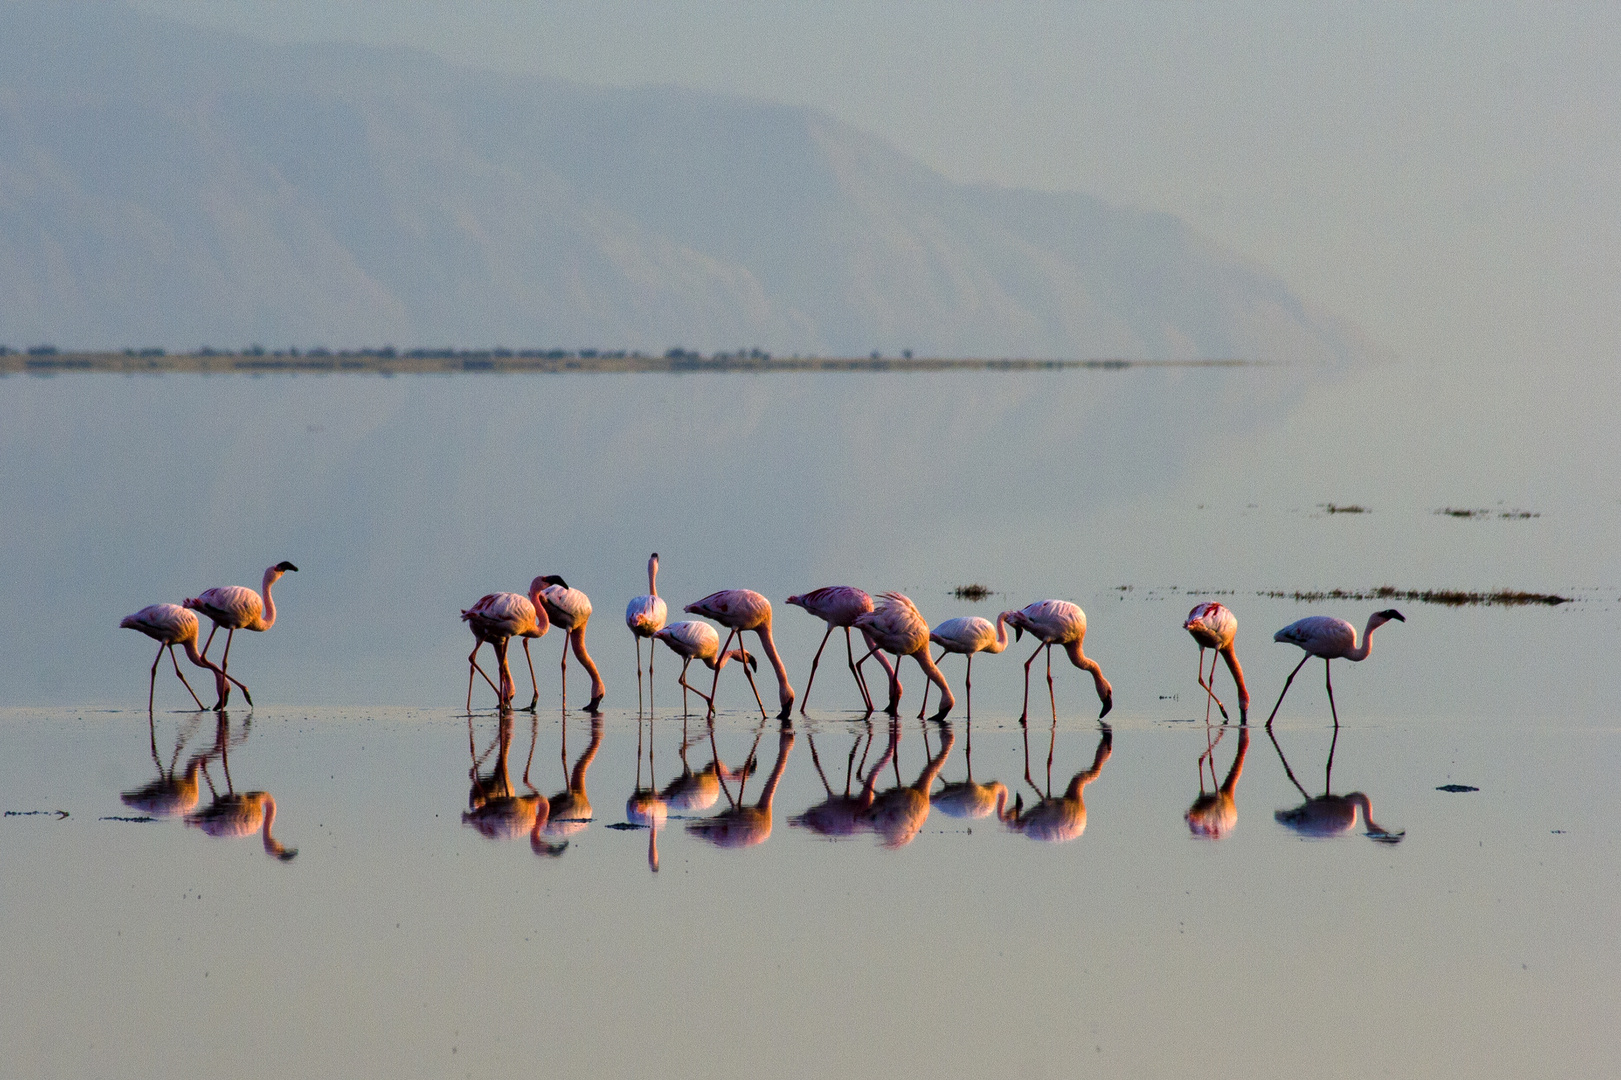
[(57, 814), (1456, 787), (626, 825), (975, 592)]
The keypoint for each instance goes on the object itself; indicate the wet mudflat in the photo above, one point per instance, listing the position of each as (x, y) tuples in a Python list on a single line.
[(1258, 930)]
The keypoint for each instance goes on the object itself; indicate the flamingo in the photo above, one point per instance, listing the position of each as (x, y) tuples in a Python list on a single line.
[(1328, 814), (968, 635), (645, 615), (838, 606), (699, 641), (1332, 639), (170, 625), (570, 609), (1213, 815), (744, 609), (237, 608), (1057, 622), (896, 625), (1063, 818), (1213, 626), (496, 618), (170, 795)]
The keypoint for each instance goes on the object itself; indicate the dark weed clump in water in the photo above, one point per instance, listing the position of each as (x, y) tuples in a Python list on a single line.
[(1507, 515), (1446, 597), (975, 592), (1352, 509)]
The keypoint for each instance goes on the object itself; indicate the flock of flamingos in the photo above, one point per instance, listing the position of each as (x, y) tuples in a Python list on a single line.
[(891, 625)]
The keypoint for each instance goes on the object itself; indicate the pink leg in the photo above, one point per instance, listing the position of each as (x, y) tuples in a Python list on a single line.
[(210, 640), (725, 645), (1286, 683), (183, 682), (533, 682), (861, 684), (1052, 697), (817, 659), (1025, 715), (152, 684)]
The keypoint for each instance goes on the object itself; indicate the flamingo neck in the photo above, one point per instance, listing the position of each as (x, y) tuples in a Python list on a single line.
[(924, 661), (1001, 633), (1230, 655), (653, 577), (268, 618), (1361, 651), (1085, 663), (785, 691), (926, 780), (202, 661), (769, 792), (1229, 784)]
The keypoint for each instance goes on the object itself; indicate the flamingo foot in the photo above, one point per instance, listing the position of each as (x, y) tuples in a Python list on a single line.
[(594, 705)]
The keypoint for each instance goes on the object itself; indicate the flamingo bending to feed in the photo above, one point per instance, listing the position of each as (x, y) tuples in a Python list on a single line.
[(1214, 626), (1332, 639), (497, 618), (1057, 622), (570, 609), (740, 825), (170, 625), (896, 625), (237, 608), (898, 814), (838, 606), (744, 609), (968, 635), (699, 641), (1057, 819), (1214, 813), (646, 615)]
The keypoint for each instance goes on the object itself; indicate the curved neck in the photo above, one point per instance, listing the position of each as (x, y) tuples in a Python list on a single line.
[(576, 780), (925, 779), (1001, 632), (1237, 770), (1080, 660), (785, 691), (784, 744), (269, 616), (1105, 749), (1361, 651), (1230, 655)]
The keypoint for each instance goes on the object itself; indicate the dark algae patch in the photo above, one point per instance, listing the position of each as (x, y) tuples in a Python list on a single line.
[(1505, 515), (1445, 597), (975, 592), (1456, 788), (1332, 508)]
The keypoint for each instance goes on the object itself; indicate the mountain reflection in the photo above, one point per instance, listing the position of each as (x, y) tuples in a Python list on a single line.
[(233, 814), (1061, 818), (1213, 814), (1329, 814)]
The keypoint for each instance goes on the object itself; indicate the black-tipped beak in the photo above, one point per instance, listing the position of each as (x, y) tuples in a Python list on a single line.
[(1107, 705), (285, 566), (1018, 633)]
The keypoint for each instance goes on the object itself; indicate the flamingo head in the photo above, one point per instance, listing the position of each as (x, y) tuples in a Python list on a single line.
[(285, 566), (556, 579), (797, 601), (1382, 617)]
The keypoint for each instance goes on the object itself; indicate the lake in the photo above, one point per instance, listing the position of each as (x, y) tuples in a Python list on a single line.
[(1391, 927)]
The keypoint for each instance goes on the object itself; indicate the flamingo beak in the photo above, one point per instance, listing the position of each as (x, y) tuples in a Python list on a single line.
[(1018, 633), (286, 566)]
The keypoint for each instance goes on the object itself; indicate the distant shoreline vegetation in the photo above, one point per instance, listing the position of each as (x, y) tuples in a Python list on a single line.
[(389, 360)]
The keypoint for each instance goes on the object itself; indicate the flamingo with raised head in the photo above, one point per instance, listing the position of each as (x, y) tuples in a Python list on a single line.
[(570, 609), (1214, 626), (497, 618), (966, 636), (170, 625), (896, 626), (744, 609), (1327, 815), (238, 608), (838, 606), (1057, 622), (696, 640), (1332, 639), (646, 615)]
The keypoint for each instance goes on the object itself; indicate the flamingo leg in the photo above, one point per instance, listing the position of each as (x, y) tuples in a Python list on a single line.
[(225, 661), (710, 701), (210, 640), (152, 684), (725, 645), (861, 683), (1286, 683), (1051, 696), (565, 670), (1023, 716), (1328, 676), (817, 659), (968, 682), (472, 666), (815, 760), (183, 682), (638, 638), (533, 682)]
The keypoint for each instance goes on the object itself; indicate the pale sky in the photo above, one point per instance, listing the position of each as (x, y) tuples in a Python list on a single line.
[(1446, 177)]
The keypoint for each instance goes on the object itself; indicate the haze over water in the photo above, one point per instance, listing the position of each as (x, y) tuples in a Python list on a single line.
[(400, 940)]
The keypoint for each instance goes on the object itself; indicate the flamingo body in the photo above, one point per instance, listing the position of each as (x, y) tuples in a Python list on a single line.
[(570, 609), (242, 815), (1214, 626), (1332, 639), (170, 625), (497, 618), (896, 626), (740, 610)]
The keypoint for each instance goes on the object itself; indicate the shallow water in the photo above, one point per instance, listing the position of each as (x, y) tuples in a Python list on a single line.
[(399, 939)]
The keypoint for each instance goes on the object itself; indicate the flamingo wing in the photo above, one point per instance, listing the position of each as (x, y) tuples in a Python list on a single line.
[(231, 606), (1320, 635), (163, 622), (646, 615)]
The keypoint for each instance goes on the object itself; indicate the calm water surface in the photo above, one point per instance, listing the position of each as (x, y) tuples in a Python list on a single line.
[(1472, 933)]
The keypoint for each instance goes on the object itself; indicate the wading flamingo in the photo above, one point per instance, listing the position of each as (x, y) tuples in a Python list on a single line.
[(570, 610), (237, 608), (1327, 814), (646, 615), (497, 618), (1214, 626), (896, 626), (1063, 818), (968, 635), (1057, 622), (838, 606), (1213, 815), (1332, 639), (744, 609), (699, 641), (170, 625)]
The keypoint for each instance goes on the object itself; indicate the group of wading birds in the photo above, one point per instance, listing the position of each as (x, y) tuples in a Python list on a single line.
[(890, 625)]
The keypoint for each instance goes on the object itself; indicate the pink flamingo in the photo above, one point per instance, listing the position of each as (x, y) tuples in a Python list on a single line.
[(497, 618), (646, 615), (699, 641), (896, 625), (1057, 622), (1214, 626), (170, 625), (838, 606), (570, 609), (968, 635), (744, 609), (1332, 639), (237, 608)]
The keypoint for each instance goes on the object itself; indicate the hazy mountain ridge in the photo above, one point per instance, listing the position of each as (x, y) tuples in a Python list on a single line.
[(165, 185)]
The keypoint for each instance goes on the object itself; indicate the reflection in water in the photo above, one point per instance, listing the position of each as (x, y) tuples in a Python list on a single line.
[(1214, 626), (1328, 814), (840, 815), (646, 806), (170, 795), (1213, 814), (967, 799), (740, 825), (699, 790), (231, 814), (571, 807), (496, 812), (898, 814), (1062, 818)]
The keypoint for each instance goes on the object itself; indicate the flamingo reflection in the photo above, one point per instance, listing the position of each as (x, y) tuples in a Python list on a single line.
[(699, 790), (646, 806), (1064, 817), (496, 812), (840, 814), (897, 815), (967, 799), (169, 795), (1214, 814), (571, 807), (741, 825), (233, 814), (1329, 814)]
